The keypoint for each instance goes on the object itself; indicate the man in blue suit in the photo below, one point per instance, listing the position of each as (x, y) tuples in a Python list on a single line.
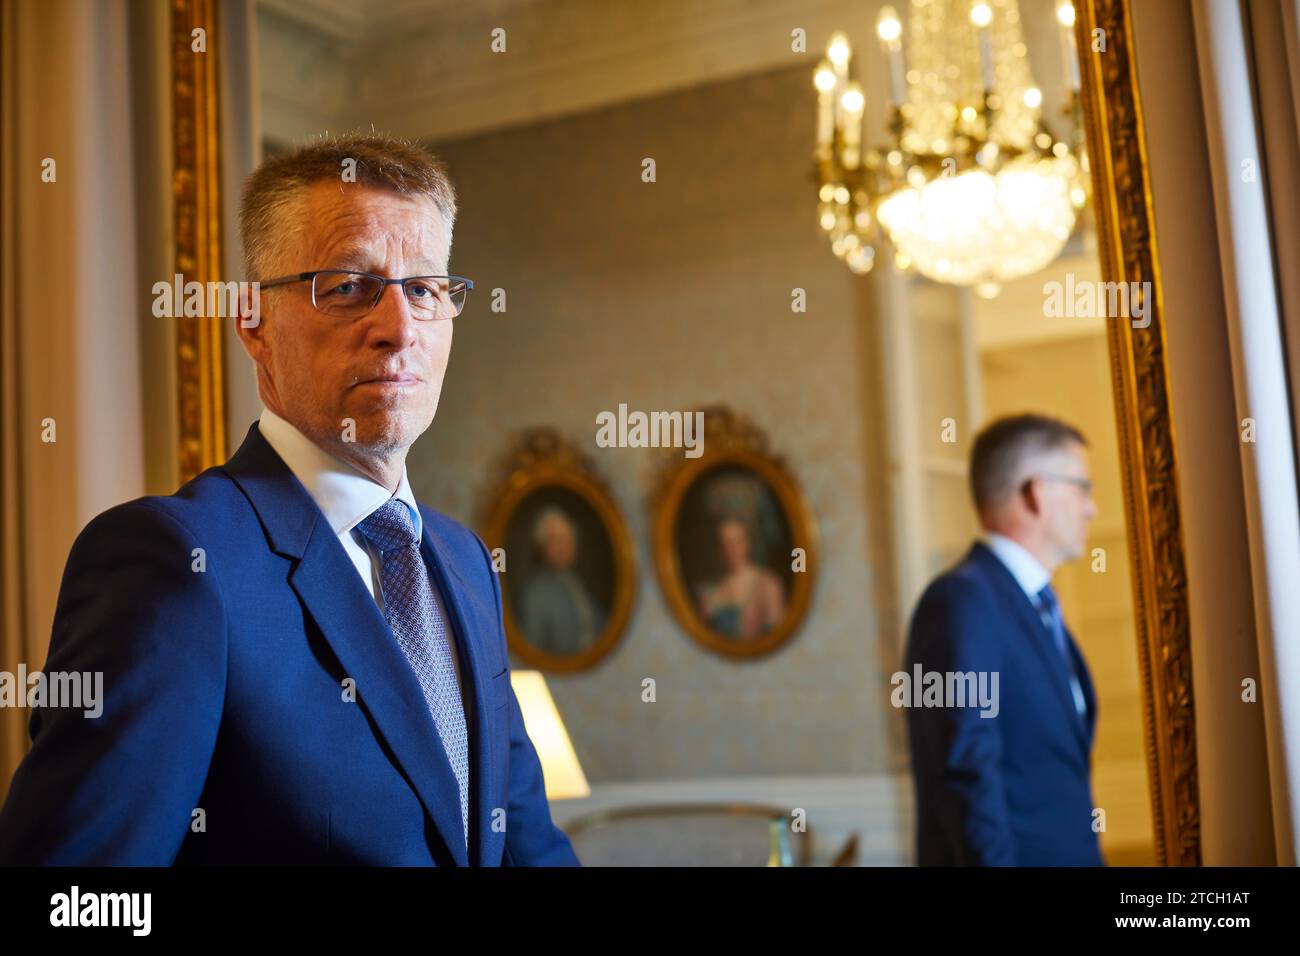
[(301, 664), (1008, 784)]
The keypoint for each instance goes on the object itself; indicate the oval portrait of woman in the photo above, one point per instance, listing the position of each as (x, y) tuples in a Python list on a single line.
[(733, 547), (733, 542)]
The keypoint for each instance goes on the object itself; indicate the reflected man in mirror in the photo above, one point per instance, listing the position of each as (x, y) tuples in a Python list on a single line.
[(1007, 785)]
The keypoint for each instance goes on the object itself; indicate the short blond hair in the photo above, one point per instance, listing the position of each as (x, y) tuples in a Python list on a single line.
[(268, 207), (1001, 449)]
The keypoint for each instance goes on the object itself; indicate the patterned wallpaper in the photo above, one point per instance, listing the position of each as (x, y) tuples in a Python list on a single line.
[(670, 295)]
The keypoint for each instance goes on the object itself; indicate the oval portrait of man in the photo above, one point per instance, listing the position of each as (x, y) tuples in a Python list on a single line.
[(560, 576), (562, 552)]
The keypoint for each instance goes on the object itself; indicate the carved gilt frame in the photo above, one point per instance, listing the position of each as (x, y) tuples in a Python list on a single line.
[(1140, 378), (196, 220)]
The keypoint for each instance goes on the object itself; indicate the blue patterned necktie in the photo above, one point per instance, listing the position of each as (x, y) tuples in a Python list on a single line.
[(1050, 611), (416, 616)]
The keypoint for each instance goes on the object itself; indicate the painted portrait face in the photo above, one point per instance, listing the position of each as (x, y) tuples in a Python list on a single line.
[(733, 540), (557, 541)]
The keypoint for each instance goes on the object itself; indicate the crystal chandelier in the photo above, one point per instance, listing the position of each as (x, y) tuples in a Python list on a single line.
[(971, 188)]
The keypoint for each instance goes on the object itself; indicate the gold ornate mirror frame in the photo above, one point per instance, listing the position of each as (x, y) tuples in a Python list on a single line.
[(1122, 197), (1140, 376), (196, 221)]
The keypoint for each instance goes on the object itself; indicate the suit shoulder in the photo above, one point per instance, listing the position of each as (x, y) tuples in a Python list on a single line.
[(954, 617), (205, 502), (139, 553), (149, 515), (961, 586)]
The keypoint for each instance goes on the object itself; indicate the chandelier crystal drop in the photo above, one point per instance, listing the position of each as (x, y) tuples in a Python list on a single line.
[(972, 189)]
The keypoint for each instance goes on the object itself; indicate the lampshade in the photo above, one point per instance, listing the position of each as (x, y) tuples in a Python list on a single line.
[(564, 776)]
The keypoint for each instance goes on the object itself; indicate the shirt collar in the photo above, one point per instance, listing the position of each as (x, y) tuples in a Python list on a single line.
[(344, 495), (1024, 567)]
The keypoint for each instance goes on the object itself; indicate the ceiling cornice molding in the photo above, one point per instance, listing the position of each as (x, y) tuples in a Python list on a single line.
[(549, 71), (423, 68), (339, 19), (627, 65)]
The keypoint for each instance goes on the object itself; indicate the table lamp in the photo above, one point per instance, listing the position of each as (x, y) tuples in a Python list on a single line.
[(564, 777)]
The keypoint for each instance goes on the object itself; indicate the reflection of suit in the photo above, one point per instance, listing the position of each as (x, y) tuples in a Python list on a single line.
[(1011, 789), (558, 617), (225, 691)]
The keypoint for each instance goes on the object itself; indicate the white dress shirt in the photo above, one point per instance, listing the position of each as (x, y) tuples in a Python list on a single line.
[(345, 497), (1032, 578), (1024, 567)]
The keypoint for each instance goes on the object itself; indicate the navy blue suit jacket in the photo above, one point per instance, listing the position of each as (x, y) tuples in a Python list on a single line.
[(1010, 790), (224, 692)]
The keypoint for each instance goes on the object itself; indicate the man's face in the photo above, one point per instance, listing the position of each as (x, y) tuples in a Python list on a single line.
[(1066, 506), (383, 371)]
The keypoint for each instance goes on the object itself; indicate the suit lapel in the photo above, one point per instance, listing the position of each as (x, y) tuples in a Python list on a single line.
[(474, 684), (1041, 641), (1085, 682), (339, 602)]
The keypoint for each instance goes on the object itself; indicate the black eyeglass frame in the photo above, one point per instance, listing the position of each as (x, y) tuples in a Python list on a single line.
[(384, 284), (1085, 485)]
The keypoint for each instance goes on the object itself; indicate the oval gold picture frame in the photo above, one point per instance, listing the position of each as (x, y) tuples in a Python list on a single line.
[(731, 439), (543, 459)]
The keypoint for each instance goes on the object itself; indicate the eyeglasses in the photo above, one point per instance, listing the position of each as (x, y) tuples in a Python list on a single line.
[(1082, 483), (351, 295)]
